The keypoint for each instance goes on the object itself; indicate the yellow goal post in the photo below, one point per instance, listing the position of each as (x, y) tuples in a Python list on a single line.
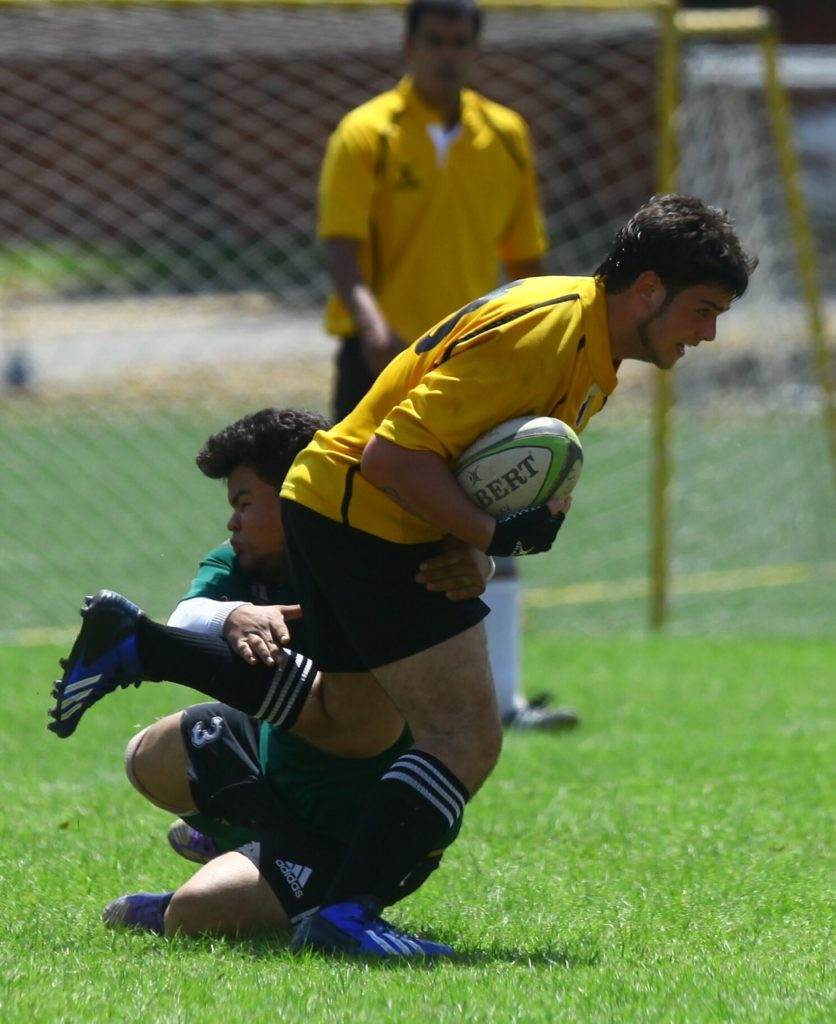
[(757, 26)]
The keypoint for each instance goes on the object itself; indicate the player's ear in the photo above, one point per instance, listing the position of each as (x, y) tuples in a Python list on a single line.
[(649, 292)]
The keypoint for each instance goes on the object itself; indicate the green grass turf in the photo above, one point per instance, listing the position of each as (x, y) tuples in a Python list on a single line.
[(112, 498), (671, 860)]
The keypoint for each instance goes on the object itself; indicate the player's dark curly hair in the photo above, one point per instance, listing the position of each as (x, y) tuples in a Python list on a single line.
[(683, 240), (416, 9), (267, 441)]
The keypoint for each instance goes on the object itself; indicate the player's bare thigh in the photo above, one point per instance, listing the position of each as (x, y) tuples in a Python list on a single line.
[(228, 896), (447, 697), (156, 764), (349, 714)]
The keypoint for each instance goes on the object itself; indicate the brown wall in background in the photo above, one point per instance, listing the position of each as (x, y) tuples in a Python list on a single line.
[(801, 21)]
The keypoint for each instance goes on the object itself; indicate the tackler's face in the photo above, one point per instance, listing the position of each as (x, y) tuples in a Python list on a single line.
[(671, 326), (257, 535), (440, 56)]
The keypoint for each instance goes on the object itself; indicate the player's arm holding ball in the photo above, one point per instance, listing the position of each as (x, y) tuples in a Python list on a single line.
[(421, 482)]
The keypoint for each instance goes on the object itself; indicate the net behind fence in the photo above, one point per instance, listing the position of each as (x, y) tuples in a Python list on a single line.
[(159, 150), (159, 277)]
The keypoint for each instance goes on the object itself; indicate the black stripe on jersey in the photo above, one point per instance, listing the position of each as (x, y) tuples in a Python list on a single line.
[(581, 345), (510, 148), (383, 143), (382, 150), (507, 319), (379, 168), (349, 488)]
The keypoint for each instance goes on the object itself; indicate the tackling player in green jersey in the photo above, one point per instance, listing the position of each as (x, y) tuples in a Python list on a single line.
[(268, 813)]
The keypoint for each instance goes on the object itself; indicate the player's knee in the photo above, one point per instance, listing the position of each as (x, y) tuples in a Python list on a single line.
[(155, 765), (187, 913), (134, 756), (495, 746), (227, 897), (487, 751), (197, 908), (482, 746), (471, 755)]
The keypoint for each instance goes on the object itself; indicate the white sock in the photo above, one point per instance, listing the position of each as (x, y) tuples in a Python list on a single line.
[(503, 628)]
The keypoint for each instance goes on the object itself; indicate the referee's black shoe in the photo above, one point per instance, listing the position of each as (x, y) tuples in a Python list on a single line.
[(537, 715)]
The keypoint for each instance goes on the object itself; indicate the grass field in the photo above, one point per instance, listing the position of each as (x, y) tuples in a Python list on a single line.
[(672, 860), (112, 498)]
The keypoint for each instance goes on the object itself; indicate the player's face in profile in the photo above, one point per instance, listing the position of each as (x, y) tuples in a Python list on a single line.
[(256, 524), (440, 56), (689, 318)]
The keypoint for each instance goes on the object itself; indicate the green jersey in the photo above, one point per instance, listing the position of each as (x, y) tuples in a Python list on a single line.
[(221, 578)]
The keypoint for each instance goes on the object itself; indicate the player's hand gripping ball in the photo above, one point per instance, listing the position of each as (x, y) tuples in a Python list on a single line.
[(520, 464)]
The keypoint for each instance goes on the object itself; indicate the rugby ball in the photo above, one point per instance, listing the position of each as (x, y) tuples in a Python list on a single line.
[(520, 464)]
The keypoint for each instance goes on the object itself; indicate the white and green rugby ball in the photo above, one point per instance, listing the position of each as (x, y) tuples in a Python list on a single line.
[(520, 464)]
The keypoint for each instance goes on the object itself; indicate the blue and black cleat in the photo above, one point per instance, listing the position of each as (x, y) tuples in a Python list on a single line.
[(103, 659), (355, 929)]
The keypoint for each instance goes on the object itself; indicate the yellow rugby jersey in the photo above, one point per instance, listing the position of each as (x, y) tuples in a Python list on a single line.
[(537, 347), (432, 231)]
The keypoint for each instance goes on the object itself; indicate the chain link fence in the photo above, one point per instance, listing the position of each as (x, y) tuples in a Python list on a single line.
[(159, 277)]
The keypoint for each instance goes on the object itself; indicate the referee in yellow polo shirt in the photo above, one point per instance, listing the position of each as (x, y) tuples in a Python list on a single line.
[(425, 190)]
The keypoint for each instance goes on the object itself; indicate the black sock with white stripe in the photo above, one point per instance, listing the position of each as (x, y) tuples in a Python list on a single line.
[(207, 664), (408, 812)]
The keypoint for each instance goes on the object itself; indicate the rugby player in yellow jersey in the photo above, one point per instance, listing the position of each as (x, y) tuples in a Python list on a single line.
[(373, 497), (426, 190), (369, 497)]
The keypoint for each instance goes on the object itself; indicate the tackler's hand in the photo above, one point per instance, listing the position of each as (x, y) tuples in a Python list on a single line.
[(460, 571), (259, 632)]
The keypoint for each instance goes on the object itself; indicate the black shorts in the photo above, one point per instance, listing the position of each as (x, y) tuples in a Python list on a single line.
[(363, 608), (352, 377), (227, 784)]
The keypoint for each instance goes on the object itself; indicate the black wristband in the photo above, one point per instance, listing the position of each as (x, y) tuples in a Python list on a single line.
[(527, 532)]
